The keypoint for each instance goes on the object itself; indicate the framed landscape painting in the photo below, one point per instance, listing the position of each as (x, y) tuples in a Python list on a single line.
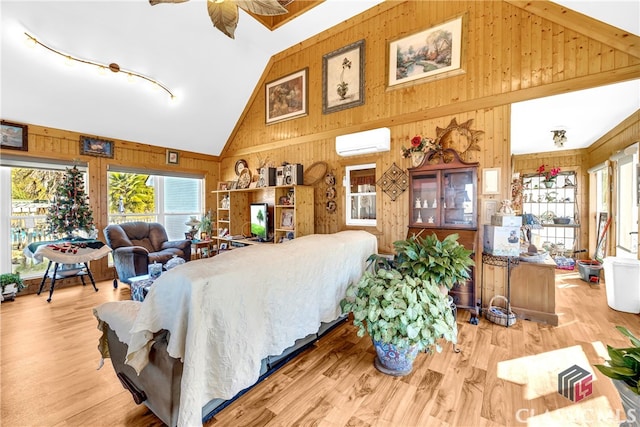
[(428, 53), (286, 98), (343, 78), (14, 136)]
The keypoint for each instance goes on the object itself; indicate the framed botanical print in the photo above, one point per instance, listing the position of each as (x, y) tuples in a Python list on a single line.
[(428, 53), (286, 98), (343, 78)]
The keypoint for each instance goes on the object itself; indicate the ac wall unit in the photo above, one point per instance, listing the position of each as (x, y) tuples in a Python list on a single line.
[(370, 141)]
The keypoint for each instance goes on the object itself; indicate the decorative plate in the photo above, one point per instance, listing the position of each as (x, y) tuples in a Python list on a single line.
[(245, 178), (331, 193), (330, 179), (240, 165)]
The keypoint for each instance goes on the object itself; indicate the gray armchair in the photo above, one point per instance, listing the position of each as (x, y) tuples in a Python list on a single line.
[(135, 245)]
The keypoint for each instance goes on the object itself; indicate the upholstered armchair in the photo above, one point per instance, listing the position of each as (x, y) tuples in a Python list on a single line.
[(135, 245)]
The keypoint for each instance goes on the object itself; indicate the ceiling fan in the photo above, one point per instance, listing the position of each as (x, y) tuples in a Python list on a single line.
[(224, 13)]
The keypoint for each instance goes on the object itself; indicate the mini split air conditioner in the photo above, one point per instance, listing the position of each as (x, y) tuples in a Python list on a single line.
[(370, 141)]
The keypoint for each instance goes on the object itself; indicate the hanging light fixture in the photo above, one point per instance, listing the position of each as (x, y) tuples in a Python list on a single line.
[(559, 137), (113, 67)]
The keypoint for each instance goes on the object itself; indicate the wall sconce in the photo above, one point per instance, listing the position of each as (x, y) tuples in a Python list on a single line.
[(101, 67), (559, 138)]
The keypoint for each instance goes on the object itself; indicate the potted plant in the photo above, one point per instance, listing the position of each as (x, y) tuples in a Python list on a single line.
[(206, 225), (401, 304), (444, 262), (11, 284), (624, 369), (402, 314)]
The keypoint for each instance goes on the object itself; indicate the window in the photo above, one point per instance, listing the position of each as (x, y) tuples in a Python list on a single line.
[(361, 195), (169, 200), (27, 191)]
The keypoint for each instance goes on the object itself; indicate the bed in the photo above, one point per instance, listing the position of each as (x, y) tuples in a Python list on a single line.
[(209, 329)]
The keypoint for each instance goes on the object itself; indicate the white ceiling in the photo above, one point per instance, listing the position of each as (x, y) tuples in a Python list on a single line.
[(212, 75)]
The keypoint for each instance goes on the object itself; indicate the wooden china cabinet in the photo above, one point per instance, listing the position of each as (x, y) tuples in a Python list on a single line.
[(444, 200)]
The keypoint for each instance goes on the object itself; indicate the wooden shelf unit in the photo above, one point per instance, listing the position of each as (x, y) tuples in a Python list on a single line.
[(292, 203)]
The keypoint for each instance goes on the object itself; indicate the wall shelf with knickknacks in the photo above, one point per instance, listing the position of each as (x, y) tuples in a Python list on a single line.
[(555, 205)]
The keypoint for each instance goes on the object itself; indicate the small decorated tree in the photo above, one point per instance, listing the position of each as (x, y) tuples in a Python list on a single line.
[(70, 211)]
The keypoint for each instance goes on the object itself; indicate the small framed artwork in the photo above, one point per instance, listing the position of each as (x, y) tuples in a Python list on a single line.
[(489, 208), (286, 98), (343, 78), (223, 185), (14, 136), (429, 53), (287, 219), (223, 246), (491, 181), (96, 147), (173, 157)]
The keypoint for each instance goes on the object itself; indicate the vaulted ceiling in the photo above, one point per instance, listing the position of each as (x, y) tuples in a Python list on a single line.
[(211, 74)]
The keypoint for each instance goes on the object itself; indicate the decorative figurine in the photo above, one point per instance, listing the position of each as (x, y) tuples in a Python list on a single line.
[(506, 208), (419, 219), (418, 205), (430, 220), (425, 204), (435, 203)]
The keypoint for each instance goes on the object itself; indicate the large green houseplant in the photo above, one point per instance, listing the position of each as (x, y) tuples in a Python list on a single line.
[(623, 368), (399, 302)]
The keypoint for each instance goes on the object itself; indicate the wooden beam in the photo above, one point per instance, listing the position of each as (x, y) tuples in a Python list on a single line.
[(597, 30)]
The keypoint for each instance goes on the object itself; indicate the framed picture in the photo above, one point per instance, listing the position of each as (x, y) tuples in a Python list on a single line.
[(173, 157), (491, 181), (223, 185), (223, 246), (343, 78), (428, 53), (14, 136), (287, 219), (286, 98), (96, 147)]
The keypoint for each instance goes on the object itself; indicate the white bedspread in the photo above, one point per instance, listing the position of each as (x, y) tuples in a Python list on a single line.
[(226, 313)]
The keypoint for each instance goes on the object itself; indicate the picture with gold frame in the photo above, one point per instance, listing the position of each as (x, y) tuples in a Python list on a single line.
[(286, 98), (428, 53)]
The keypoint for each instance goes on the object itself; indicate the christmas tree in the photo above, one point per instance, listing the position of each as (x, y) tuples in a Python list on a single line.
[(69, 210)]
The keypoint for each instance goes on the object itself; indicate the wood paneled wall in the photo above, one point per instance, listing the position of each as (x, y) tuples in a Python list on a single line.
[(63, 145), (511, 51)]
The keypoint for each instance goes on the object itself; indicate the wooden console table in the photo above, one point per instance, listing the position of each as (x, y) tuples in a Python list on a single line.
[(533, 293), (66, 252)]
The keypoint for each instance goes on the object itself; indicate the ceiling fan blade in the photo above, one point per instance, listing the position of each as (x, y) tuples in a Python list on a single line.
[(262, 7), (224, 16), (155, 2)]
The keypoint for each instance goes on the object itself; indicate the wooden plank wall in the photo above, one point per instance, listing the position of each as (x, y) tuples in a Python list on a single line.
[(47, 143), (509, 54)]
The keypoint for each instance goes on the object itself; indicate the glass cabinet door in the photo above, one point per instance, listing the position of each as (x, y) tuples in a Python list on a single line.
[(459, 198), (425, 189)]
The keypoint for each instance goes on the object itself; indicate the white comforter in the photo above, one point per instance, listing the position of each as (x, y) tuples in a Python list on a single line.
[(226, 313)]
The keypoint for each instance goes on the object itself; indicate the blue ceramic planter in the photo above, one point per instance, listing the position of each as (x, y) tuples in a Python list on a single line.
[(394, 361)]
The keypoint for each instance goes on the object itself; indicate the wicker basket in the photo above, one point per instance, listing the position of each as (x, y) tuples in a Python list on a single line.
[(499, 315)]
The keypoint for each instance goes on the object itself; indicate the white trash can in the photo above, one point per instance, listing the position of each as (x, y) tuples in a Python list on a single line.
[(622, 280)]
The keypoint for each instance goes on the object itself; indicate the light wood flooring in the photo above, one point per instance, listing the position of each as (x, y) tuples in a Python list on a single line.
[(501, 377)]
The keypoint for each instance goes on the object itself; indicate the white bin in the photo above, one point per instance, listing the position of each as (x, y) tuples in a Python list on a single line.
[(622, 279)]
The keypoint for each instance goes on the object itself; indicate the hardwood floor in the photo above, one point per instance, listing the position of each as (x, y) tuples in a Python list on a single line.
[(501, 377)]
